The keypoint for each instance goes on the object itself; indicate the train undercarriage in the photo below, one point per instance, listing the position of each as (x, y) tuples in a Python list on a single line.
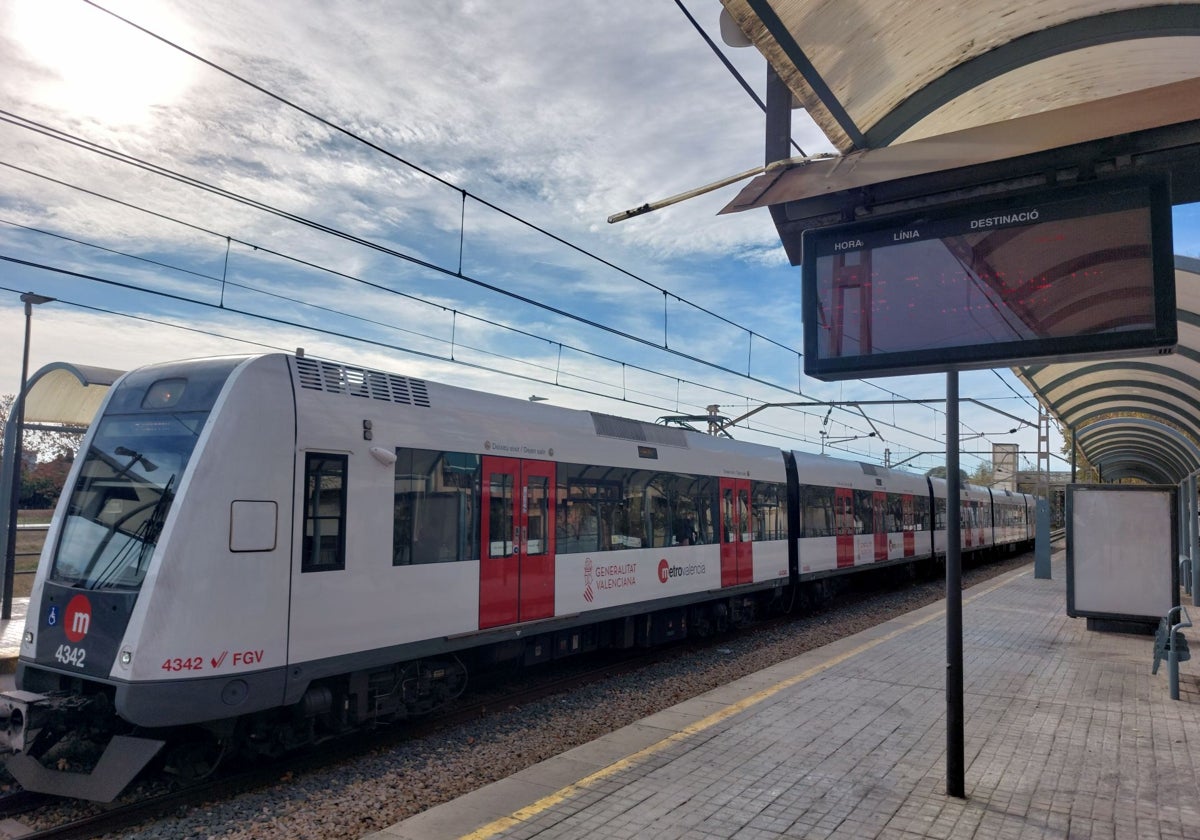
[(49, 733)]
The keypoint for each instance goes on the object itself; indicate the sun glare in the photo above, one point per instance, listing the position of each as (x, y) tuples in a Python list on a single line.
[(97, 66)]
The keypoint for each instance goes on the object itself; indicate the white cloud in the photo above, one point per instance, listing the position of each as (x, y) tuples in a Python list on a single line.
[(561, 113)]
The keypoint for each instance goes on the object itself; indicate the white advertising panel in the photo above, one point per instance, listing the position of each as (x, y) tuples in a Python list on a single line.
[(1121, 551)]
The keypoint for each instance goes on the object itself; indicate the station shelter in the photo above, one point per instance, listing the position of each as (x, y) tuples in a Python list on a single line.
[(928, 103)]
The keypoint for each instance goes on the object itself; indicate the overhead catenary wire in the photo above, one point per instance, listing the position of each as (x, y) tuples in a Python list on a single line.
[(357, 138), (310, 264), (15, 119), (333, 126), (20, 121), (308, 327)]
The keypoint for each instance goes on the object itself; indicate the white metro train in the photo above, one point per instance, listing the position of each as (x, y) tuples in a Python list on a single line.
[(273, 549)]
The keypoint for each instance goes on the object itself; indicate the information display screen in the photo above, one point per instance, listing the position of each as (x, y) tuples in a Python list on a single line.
[(1084, 270)]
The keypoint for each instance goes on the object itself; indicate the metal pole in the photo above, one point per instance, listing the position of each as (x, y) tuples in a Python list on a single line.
[(8, 466), (14, 449), (1194, 538), (1074, 447), (955, 762), (10, 554), (779, 118)]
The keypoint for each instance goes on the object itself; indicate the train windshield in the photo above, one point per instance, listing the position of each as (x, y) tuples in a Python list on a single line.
[(129, 478)]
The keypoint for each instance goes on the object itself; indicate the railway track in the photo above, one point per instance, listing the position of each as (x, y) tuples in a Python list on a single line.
[(113, 818)]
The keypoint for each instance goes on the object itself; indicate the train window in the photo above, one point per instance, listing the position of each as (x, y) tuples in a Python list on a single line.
[(500, 516), (586, 503), (816, 513), (770, 510), (324, 512), (609, 509), (436, 507), (690, 509), (864, 512), (940, 514), (921, 513), (120, 501)]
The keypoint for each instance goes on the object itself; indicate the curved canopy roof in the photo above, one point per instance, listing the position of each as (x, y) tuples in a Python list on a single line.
[(925, 99), (876, 73), (67, 394), (1143, 410)]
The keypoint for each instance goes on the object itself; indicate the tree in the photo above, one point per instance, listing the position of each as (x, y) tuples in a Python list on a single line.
[(39, 446), (46, 459), (985, 474), (940, 472)]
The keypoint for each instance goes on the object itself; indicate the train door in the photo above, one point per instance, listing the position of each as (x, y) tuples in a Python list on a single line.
[(910, 525), (737, 559), (843, 514), (879, 523), (966, 525), (516, 569)]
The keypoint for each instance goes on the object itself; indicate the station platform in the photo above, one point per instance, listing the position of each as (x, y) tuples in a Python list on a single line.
[(10, 635), (1067, 735)]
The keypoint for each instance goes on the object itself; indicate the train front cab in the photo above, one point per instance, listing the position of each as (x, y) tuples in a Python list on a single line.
[(139, 596)]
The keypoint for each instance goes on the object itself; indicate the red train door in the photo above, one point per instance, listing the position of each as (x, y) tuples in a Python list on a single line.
[(965, 526), (737, 558), (843, 518), (909, 525), (516, 569), (879, 524)]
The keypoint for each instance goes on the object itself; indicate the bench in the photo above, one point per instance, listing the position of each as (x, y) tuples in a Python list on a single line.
[(1172, 645)]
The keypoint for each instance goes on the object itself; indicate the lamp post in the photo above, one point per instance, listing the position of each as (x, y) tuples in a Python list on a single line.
[(14, 445)]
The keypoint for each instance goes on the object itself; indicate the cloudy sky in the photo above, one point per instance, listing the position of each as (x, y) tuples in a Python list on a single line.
[(423, 188)]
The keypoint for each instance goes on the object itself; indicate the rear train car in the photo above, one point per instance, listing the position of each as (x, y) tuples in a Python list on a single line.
[(854, 515)]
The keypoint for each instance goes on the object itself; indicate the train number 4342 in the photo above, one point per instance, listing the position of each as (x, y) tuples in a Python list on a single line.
[(188, 663), (68, 655)]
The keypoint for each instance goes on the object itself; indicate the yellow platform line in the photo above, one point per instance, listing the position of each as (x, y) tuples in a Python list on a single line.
[(549, 801)]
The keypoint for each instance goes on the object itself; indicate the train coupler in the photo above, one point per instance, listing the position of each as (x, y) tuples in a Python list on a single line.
[(123, 758), (25, 717)]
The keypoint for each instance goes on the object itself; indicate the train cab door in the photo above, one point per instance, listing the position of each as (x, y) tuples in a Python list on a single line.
[(879, 525), (516, 569), (909, 525), (843, 516), (737, 559)]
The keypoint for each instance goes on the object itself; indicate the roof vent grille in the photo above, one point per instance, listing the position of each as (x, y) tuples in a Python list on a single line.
[(622, 427), (333, 378)]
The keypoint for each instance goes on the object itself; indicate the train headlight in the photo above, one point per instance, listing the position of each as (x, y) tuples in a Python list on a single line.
[(28, 637), (164, 393), (126, 657)]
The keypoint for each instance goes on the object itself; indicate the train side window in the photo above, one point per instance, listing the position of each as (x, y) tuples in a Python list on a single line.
[(435, 507), (816, 515), (895, 508), (592, 508), (770, 510), (606, 509), (921, 513), (864, 512), (698, 505), (324, 512)]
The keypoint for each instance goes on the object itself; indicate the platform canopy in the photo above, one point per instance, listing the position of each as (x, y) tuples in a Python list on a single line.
[(1140, 415), (953, 101), (66, 394)]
